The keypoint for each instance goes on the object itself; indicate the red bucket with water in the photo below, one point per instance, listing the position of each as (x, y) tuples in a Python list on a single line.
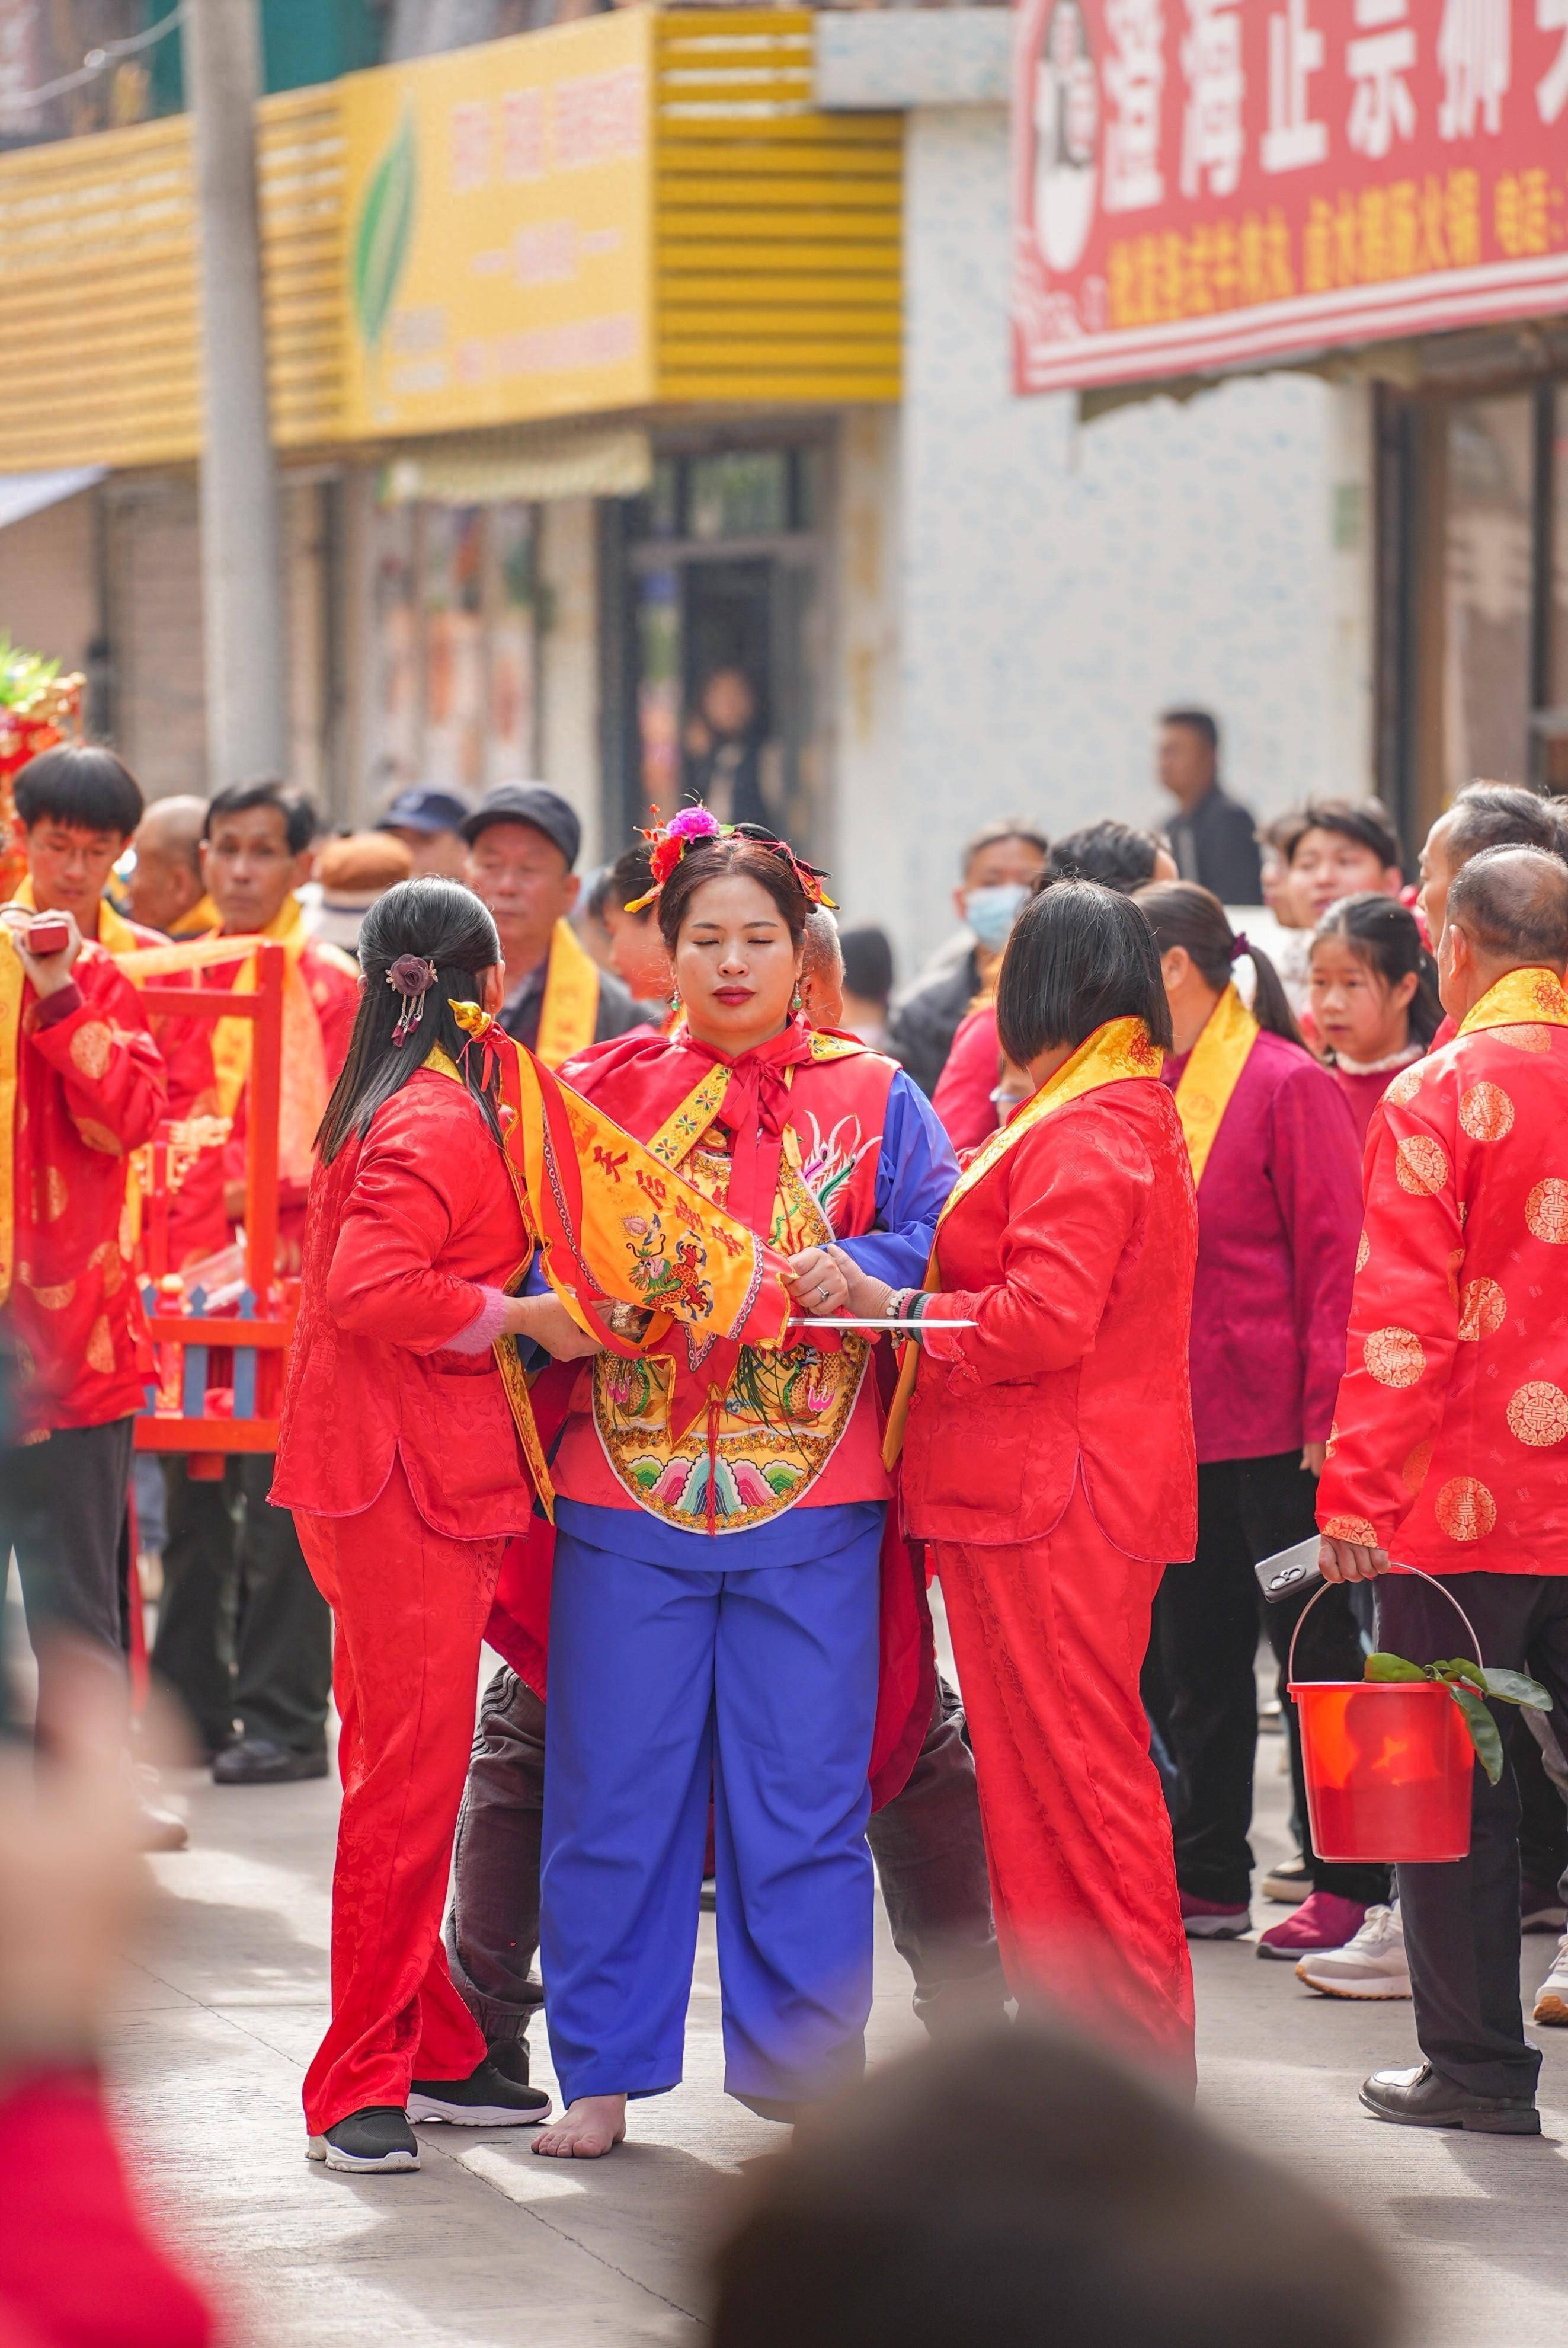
[(1388, 1765)]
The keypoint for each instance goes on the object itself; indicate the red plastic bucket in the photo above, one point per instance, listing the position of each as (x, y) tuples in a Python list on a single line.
[(1388, 1765)]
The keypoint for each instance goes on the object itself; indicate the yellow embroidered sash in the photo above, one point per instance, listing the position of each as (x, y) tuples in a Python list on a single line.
[(1115, 1053), (1532, 997), (1212, 1071), (570, 1007)]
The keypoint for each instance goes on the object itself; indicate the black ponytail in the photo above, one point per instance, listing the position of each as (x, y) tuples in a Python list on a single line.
[(1180, 913), (1385, 936), (439, 921)]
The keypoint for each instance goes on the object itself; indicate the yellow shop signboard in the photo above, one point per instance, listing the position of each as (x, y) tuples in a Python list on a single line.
[(498, 228)]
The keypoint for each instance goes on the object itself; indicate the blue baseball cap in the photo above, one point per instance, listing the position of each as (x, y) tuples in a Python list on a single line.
[(422, 809)]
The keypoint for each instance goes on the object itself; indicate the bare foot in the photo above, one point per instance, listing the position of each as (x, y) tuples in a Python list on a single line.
[(587, 2130)]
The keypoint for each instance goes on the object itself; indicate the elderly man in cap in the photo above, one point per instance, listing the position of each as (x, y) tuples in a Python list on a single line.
[(430, 823), (523, 841)]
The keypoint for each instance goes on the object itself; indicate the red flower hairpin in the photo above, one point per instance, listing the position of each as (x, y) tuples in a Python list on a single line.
[(693, 825)]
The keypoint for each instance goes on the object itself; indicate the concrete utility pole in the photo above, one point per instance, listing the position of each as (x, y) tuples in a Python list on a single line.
[(241, 576)]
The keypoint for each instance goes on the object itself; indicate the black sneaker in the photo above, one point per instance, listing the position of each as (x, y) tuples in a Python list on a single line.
[(509, 2056), (257, 1761), (487, 2098), (379, 2136)]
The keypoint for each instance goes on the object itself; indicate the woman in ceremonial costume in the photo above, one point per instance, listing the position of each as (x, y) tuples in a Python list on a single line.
[(408, 1453), (715, 1618), (1272, 1148), (1047, 1460)]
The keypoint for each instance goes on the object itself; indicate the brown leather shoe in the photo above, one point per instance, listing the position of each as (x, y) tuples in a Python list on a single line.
[(1422, 2098)]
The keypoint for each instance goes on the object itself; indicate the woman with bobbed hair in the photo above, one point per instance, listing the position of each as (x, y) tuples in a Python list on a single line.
[(1276, 1169), (715, 1613), (1048, 1461), (398, 1455)]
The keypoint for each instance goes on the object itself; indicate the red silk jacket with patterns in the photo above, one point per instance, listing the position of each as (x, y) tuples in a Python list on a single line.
[(403, 1228), (1075, 1256), (1451, 1438), (91, 1088)]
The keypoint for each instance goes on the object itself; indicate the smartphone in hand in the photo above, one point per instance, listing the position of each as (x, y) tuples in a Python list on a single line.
[(1289, 1570)]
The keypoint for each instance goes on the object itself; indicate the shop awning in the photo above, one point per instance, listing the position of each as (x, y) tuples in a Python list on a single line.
[(22, 494)]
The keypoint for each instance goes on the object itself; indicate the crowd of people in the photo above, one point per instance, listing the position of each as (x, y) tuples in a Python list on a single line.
[(678, 1300)]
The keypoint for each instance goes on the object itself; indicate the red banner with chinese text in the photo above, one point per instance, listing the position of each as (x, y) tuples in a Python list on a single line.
[(1202, 183)]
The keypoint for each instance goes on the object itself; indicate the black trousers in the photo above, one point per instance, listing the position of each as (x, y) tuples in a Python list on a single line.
[(243, 1632), (1200, 1688), (63, 1510), (1462, 1920), (927, 1844)]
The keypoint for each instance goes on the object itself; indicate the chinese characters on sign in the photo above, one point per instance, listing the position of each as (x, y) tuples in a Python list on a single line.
[(1199, 183), (498, 204)]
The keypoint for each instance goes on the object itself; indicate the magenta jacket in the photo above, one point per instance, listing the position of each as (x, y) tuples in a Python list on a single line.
[(1279, 1214)]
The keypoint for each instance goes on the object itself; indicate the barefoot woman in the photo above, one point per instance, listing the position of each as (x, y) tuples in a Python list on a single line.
[(715, 1621)]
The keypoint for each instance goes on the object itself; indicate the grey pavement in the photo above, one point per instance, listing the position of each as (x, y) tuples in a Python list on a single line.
[(222, 2005)]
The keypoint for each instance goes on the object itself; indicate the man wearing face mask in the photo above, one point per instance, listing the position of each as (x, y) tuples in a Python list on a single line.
[(1000, 866)]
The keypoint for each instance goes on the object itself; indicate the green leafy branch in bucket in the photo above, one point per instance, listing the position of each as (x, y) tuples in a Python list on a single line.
[(1470, 1684)]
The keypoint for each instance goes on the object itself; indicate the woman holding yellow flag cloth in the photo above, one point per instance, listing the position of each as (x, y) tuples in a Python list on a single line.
[(1048, 1461), (716, 1614), (1274, 1157)]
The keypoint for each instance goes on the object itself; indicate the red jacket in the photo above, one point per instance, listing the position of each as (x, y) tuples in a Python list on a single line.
[(91, 1088), (1450, 1436), (405, 1229), (1075, 1255), (963, 1095)]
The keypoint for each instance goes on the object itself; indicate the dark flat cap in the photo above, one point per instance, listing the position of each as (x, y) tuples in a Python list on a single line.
[(532, 803), (424, 810)]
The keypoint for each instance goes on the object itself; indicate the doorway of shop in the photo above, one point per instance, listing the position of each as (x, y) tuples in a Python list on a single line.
[(715, 646)]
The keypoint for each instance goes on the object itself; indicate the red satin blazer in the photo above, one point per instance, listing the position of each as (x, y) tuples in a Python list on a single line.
[(401, 1231), (1075, 1255)]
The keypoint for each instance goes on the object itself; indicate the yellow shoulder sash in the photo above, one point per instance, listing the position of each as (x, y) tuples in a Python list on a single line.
[(570, 1008), (1521, 998), (1211, 1076), (1110, 1055)]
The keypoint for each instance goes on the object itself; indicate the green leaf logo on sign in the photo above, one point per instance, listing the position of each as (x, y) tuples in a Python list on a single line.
[(381, 234)]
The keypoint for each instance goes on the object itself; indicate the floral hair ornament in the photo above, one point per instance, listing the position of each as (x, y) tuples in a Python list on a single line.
[(693, 825), (412, 977)]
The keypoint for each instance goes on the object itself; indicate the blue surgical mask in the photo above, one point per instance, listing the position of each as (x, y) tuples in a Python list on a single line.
[(991, 913)]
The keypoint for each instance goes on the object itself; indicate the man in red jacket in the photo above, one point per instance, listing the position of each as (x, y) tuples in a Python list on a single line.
[(81, 1086), (1449, 1451)]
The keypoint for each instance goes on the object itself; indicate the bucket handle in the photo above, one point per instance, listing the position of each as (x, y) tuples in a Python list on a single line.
[(1317, 1593)]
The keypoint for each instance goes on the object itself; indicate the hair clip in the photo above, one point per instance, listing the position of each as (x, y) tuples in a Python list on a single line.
[(412, 977)]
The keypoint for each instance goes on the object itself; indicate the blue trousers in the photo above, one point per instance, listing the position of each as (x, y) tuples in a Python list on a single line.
[(761, 1683)]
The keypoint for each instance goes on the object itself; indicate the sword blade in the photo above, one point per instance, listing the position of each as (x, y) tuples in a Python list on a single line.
[(830, 1322)]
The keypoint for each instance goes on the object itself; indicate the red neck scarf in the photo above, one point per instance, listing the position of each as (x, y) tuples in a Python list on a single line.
[(754, 1109)]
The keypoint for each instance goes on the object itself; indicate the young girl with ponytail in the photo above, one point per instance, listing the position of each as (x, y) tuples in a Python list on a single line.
[(1274, 1157), (1375, 1002), (398, 1455)]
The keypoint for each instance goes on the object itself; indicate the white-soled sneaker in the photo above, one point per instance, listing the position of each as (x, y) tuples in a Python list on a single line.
[(1552, 1997), (1371, 1965)]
